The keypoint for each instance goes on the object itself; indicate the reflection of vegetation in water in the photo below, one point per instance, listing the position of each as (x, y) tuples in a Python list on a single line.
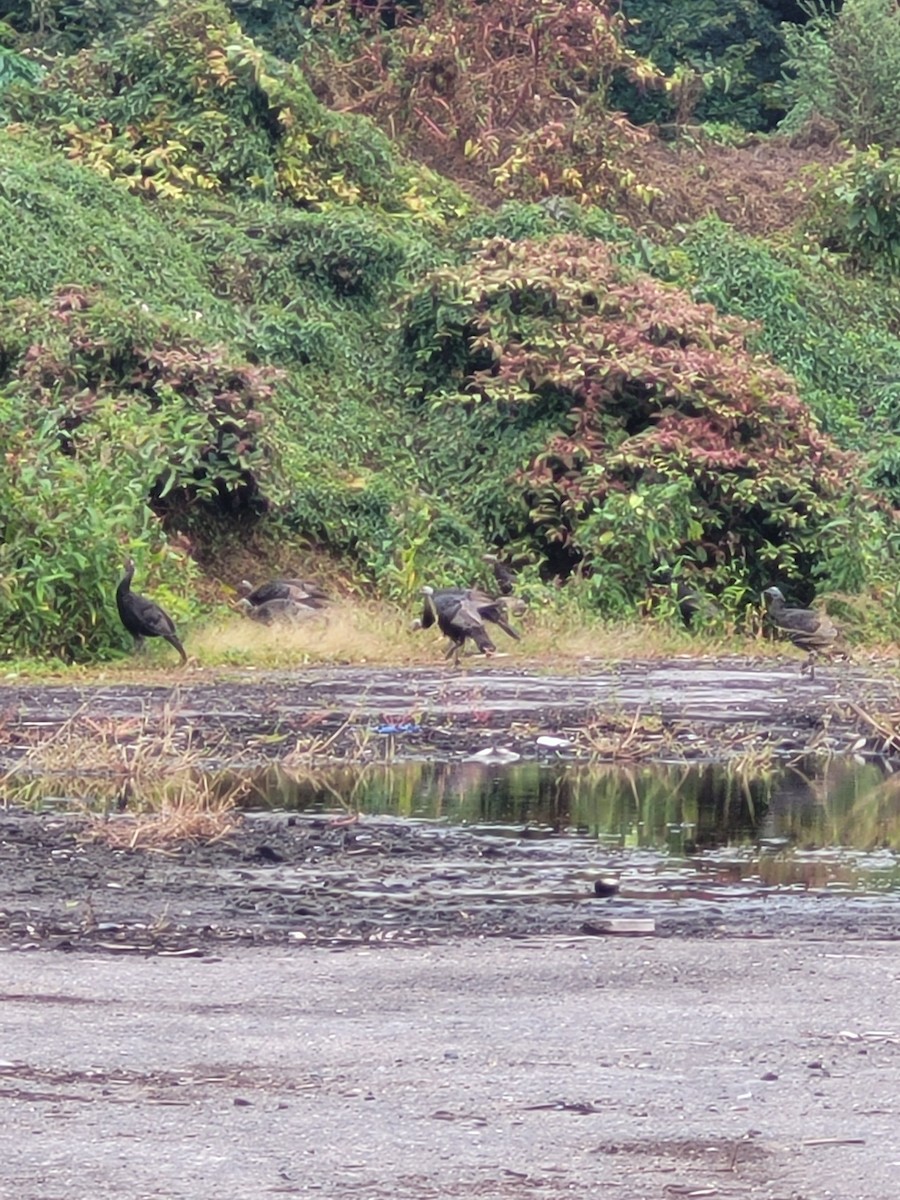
[(677, 807), (819, 803), (633, 807), (138, 788), (839, 802), (807, 806)]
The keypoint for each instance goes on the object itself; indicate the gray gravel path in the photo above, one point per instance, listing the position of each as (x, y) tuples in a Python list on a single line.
[(545, 1068)]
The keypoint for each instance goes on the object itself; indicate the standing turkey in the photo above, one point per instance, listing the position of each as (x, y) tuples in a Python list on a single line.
[(809, 630), (458, 618), (460, 613), (144, 618)]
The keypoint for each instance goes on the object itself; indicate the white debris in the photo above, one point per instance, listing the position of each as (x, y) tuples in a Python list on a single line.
[(493, 754)]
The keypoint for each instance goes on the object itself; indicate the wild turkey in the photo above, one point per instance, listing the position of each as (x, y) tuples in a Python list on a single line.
[(489, 608), (690, 600), (144, 618), (281, 610), (458, 617), (809, 630), (303, 591), (503, 573)]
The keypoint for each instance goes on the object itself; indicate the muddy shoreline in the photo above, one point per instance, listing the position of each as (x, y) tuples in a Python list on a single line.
[(679, 709), (336, 1004), (302, 880)]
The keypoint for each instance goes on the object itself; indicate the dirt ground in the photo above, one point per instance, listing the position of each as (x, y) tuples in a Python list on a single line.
[(678, 709), (378, 1007)]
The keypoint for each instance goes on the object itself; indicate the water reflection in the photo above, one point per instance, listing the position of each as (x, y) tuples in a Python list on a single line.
[(811, 804), (700, 832), (668, 831)]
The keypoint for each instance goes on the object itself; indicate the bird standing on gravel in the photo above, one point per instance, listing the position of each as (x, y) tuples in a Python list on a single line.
[(809, 630), (144, 618)]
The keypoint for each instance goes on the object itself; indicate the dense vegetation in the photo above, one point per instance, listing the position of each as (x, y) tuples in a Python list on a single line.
[(404, 282)]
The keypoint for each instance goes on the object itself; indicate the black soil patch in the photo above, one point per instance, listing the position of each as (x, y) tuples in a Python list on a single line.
[(314, 881)]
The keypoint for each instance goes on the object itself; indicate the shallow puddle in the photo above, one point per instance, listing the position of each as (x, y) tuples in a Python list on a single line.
[(428, 803), (819, 823), (416, 851)]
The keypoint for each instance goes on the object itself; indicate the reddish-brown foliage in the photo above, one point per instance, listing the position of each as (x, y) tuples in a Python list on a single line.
[(506, 94), (666, 401), (81, 351)]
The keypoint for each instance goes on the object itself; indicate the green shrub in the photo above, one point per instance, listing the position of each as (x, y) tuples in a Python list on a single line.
[(201, 408), (70, 511), (665, 438), (16, 68), (806, 89), (720, 59), (63, 26), (845, 66), (838, 334), (354, 517), (857, 209), (516, 221), (186, 104), (62, 224)]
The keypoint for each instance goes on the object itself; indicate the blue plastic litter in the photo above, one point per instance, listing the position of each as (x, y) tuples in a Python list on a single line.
[(407, 727)]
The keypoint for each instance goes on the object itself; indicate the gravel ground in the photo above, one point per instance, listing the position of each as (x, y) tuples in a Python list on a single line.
[(684, 708), (634, 1068)]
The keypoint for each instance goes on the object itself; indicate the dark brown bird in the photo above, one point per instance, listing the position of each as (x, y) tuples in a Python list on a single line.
[(503, 573), (690, 600), (484, 606), (809, 630), (458, 616), (492, 608), (302, 591), (144, 618)]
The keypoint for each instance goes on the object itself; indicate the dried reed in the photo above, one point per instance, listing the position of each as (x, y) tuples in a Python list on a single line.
[(148, 763)]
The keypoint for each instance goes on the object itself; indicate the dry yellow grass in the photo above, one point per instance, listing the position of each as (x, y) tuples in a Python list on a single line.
[(182, 809), (147, 746), (366, 632), (146, 763), (372, 633), (560, 637)]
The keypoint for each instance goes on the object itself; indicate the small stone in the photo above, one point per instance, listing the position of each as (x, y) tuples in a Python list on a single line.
[(627, 926)]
